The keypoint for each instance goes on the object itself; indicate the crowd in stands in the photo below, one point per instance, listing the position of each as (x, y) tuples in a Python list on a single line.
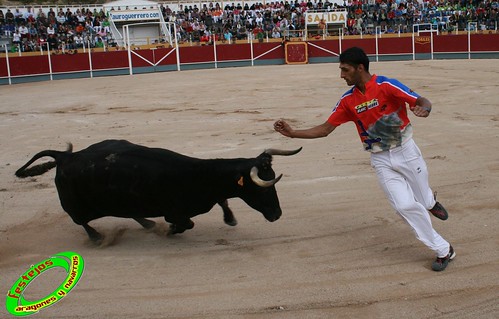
[(61, 31), (69, 30), (283, 19)]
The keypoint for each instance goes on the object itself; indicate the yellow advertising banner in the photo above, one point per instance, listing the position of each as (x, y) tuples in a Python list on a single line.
[(422, 40)]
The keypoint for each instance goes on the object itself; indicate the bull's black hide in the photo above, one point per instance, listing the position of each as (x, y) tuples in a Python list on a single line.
[(122, 179)]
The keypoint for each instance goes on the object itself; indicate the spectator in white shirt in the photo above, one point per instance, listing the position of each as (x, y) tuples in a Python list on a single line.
[(23, 31), (50, 29)]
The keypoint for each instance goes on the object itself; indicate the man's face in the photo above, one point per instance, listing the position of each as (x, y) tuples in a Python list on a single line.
[(350, 73)]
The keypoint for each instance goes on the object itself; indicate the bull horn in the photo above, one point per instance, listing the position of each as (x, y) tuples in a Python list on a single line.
[(260, 182), (272, 151)]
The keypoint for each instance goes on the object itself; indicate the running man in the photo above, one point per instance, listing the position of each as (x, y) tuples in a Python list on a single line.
[(377, 106)]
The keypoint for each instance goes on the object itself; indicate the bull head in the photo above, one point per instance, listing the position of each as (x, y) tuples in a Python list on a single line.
[(254, 170)]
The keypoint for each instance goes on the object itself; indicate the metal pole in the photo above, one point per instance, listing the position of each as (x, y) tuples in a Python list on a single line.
[(176, 47), (50, 61), (215, 50), (126, 35), (469, 41), (340, 37), (413, 45), (251, 46), (90, 60), (431, 44), (325, 27), (8, 64)]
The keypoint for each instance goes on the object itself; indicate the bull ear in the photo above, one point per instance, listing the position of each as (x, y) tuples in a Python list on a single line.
[(260, 182), (265, 161)]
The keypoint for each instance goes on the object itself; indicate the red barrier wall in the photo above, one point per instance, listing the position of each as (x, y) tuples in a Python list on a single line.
[(272, 50), (196, 54), (231, 52), (394, 45), (169, 56), (484, 42), (28, 65), (68, 63), (314, 51), (448, 43), (109, 60)]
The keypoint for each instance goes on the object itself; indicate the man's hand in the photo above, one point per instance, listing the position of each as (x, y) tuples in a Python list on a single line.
[(283, 127), (421, 111), (422, 107)]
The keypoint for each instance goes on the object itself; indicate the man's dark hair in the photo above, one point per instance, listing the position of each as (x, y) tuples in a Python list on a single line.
[(355, 56)]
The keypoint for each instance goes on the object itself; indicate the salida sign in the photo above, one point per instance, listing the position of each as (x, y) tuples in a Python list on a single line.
[(334, 17), (71, 262)]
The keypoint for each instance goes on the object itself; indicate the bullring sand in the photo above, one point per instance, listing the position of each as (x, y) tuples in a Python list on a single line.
[(338, 251)]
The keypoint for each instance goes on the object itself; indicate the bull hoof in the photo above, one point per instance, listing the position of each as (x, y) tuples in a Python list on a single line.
[(231, 222), (94, 235), (97, 239), (180, 228), (174, 229)]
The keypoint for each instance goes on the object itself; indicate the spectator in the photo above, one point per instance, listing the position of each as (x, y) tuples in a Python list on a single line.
[(98, 42), (97, 24), (52, 42), (28, 15), (16, 38), (106, 25), (61, 18), (9, 17), (51, 29), (18, 17), (51, 15), (80, 17), (321, 27), (80, 28), (275, 33), (33, 32), (258, 33), (102, 34), (41, 18), (41, 43), (78, 40), (23, 31), (228, 36), (9, 29)]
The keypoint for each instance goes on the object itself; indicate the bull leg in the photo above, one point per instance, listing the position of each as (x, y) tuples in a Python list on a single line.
[(94, 235), (146, 223), (180, 227), (229, 218)]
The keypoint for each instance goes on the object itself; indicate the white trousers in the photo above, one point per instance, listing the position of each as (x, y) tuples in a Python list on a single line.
[(403, 175)]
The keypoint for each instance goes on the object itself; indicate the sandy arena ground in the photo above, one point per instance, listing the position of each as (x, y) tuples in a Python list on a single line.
[(338, 251)]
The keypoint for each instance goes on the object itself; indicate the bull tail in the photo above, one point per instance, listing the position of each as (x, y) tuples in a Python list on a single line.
[(40, 169)]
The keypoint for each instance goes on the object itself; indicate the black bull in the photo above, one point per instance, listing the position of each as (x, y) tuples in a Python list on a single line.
[(121, 179)]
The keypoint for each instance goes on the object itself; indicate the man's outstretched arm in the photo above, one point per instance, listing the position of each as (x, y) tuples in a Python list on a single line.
[(321, 130)]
